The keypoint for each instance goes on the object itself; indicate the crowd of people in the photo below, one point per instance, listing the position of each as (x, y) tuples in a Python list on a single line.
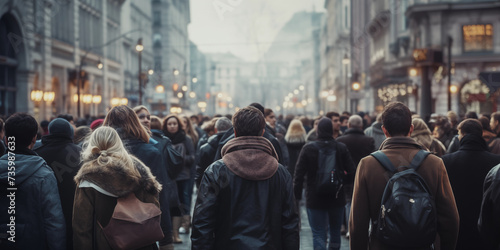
[(248, 173)]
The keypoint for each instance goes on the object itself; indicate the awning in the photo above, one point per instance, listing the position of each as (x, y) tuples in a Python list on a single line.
[(491, 79)]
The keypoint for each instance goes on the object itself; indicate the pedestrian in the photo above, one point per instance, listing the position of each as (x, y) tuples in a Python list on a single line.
[(108, 172), (467, 169), (443, 131), (423, 135), (172, 128), (31, 213), (359, 146), (164, 145), (375, 131), (63, 157), (324, 210), (335, 117), (267, 134), (276, 128), (245, 200), (136, 140), (207, 151), (489, 217), (371, 179), (312, 135), (491, 139), (295, 139)]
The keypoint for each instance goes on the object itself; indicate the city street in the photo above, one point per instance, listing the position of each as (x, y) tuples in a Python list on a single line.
[(306, 241)]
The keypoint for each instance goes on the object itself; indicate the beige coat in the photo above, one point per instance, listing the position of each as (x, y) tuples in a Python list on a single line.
[(369, 185)]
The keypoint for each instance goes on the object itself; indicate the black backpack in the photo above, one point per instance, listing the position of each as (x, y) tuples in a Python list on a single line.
[(329, 178), (407, 216)]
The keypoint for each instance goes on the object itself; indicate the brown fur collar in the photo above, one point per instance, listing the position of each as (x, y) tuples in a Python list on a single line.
[(119, 180), (250, 157)]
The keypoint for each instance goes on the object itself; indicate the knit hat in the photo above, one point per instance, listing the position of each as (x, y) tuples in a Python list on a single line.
[(95, 124), (325, 128), (61, 127)]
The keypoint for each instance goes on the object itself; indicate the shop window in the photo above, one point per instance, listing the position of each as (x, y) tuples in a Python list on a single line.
[(477, 37)]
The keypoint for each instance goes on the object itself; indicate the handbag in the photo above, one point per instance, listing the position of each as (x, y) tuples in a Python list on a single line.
[(134, 224)]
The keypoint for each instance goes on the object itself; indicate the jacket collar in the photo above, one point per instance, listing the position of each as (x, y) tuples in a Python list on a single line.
[(353, 131), (250, 157), (473, 143), (399, 142)]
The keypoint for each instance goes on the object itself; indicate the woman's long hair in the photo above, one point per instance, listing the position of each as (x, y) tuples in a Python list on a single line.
[(105, 148), (125, 118), (296, 132), (190, 129)]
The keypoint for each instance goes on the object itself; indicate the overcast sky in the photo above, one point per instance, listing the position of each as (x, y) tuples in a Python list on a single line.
[(244, 27)]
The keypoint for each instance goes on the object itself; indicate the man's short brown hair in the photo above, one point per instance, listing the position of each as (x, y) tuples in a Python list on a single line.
[(248, 121), (396, 119)]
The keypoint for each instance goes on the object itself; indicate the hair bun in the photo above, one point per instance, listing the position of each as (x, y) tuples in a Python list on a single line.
[(104, 153)]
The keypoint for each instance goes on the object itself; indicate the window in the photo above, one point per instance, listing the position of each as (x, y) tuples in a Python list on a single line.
[(477, 37), (156, 18), (346, 15)]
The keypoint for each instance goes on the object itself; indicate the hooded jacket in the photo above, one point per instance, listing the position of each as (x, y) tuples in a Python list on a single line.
[(467, 169), (63, 157), (375, 131), (370, 182), (422, 134), (39, 219), (96, 198), (245, 200)]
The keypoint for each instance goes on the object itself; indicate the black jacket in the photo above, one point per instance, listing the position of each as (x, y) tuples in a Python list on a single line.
[(307, 166), (168, 184), (467, 169), (63, 156), (206, 155), (489, 218), (245, 201), (358, 144), (293, 152)]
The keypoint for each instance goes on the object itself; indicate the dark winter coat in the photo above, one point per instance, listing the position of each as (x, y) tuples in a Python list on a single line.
[(184, 143), (489, 218), (39, 219), (152, 157), (228, 135), (245, 200), (370, 182), (96, 198), (467, 169), (170, 187), (294, 149), (207, 153), (63, 156), (307, 166), (358, 144)]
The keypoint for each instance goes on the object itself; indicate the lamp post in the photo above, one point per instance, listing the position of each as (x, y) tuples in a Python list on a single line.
[(139, 47), (346, 62), (450, 42)]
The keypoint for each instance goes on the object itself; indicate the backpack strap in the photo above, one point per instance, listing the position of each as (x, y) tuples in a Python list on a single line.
[(418, 159), (384, 160)]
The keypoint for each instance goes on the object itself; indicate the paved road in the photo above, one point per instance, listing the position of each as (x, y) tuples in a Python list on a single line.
[(306, 242)]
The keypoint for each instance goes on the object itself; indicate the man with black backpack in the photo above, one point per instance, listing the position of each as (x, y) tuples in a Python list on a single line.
[(404, 191), (327, 166)]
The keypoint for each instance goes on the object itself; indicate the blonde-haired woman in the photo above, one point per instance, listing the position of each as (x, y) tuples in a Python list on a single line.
[(108, 172), (136, 139), (422, 134), (295, 139)]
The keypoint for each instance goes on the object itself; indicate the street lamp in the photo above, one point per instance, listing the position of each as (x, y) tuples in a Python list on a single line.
[(99, 64), (139, 47), (346, 62)]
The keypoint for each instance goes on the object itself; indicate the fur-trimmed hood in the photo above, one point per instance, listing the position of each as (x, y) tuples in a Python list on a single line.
[(119, 180)]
